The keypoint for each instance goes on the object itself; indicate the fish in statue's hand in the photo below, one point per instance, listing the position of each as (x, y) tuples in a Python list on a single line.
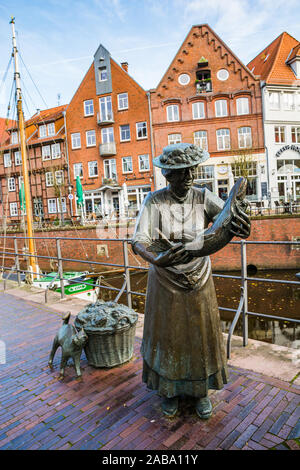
[(71, 343)]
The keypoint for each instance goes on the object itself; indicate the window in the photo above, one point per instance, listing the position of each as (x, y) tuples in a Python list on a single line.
[(289, 101), (206, 172), (223, 139), (250, 168), (78, 171), (123, 101), (174, 139), (93, 169), (106, 113), (61, 202), (49, 178), (198, 110), (11, 184), (173, 113), (110, 171), (75, 140), (274, 100), (144, 162), (221, 108), (55, 151), (141, 130), (21, 181), (7, 160), (52, 206), (107, 134), (43, 131), (90, 138), (242, 106), (127, 164), (88, 107), (51, 128), (59, 177), (18, 158), (13, 209), (279, 134), (200, 139), (14, 138), (124, 133), (244, 137), (296, 135), (46, 152), (102, 74)]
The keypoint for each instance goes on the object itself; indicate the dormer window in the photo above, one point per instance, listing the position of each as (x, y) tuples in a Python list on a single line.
[(14, 137), (203, 81), (43, 131), (102, 74)]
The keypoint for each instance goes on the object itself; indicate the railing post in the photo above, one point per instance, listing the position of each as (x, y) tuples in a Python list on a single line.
[(60, 268), (17, 261), (245, 291), (127, 273)]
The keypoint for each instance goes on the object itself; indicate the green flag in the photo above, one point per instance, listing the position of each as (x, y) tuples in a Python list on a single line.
[(22, 198), (79, 191)]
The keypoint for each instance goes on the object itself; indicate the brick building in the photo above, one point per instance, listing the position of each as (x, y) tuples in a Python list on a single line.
[(209, 98), (109, 139), (278, 67), (47, 164)]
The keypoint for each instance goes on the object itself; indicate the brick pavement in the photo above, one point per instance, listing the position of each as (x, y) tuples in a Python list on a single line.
[(112, 409)]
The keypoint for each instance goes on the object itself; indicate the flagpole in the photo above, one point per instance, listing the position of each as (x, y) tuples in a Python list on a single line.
[(32, 262)]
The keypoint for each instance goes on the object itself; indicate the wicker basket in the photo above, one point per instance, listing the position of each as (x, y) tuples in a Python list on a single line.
[(109, 347)]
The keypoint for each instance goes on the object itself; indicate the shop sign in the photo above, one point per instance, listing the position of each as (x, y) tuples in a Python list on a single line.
[(296, 148)]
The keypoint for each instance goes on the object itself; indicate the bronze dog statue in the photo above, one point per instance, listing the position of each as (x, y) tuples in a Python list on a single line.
[(71, 343)]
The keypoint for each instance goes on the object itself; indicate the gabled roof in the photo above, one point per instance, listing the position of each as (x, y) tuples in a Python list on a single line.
[(5, 124), (271, 64), (46, 115)]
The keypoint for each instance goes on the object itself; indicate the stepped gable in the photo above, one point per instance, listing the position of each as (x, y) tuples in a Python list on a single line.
[(271, 64)]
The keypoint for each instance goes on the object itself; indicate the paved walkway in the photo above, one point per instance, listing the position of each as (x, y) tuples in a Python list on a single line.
[(112, 409)]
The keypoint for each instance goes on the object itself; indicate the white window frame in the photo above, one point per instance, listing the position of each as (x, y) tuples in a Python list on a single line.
[(200, 139), (105, 108), (172, 113), (55, 151), (53, 202), (51, 129), (174, 139), (122, 129), (245, 137), (59, 177), (102, 70), (49, 177), (88, 108), (13, 209), (7, 160), (125, 161), (142, 161), (76, 140), (46, 152), (90, 137), (274, 104), (242, 106), (143, 127), (289, 102), (18, 158), (61, 200), (14, 137), (110, 166), (92, 166), (296, 133), (279, 133), (11, 184), (78, 170), (198, 110), (42, 131), (123, 101), (223, 137), (221, 108), (107, 135)]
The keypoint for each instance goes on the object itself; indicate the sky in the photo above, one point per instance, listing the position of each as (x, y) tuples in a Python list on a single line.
[(58, 38)]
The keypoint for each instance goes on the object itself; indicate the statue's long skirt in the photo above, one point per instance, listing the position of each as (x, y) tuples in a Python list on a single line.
[(183, 347)]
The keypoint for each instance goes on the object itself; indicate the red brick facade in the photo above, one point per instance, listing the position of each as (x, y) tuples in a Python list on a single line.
[(100, 190)]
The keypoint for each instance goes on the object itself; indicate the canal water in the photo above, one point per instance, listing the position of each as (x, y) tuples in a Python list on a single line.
[(269, 298)]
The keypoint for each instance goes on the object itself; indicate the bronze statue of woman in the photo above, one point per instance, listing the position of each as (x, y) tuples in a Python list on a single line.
[(182, 348)]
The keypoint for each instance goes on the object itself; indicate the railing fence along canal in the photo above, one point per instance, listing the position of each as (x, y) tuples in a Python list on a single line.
[(242, 310)]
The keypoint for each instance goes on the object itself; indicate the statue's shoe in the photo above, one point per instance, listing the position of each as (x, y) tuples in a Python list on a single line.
[(170, 406), (204, 408)]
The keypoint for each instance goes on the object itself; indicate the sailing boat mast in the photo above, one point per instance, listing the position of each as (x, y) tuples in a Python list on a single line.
[(32, 262)]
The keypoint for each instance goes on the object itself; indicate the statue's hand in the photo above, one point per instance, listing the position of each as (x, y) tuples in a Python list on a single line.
[(241, 223), (170, 257)]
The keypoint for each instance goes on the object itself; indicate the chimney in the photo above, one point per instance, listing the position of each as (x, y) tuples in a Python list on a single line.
[(124, 66)]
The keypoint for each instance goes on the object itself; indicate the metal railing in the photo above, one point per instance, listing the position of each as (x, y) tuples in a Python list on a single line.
[(241, 312)]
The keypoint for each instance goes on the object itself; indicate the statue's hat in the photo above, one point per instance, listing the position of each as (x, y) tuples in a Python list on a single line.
[(179, 156)]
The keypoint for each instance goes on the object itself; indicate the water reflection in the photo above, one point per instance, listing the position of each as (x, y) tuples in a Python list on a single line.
[(268, 298)]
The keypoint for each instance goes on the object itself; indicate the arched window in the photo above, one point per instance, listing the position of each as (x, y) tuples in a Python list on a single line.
[(173, 113), (200, 139), (245, 137), (242, 106), (221, 108), (223, 139), (198, 110)]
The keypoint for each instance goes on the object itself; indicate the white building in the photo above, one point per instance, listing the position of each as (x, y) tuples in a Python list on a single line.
[(278, 67)]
